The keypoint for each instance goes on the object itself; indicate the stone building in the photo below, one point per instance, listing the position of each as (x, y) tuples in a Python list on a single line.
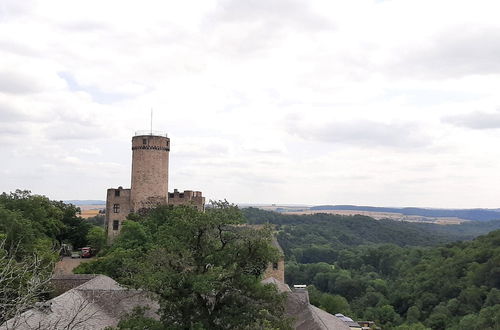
[(149, 187)]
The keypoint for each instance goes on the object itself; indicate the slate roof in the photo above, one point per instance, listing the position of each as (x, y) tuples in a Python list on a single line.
[(96, 304), (101, 302), (307, 316)]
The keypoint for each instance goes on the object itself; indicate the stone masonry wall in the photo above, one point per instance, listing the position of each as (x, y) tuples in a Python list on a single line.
[(121, 198), (276, 270), (149, 171), (188, 197)]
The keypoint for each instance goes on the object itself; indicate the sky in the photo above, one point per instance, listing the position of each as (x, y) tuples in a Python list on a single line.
[(383, 103)]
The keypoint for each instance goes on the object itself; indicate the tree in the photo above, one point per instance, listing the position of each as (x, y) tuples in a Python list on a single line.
[(334, 304), (204, 267), (22, 282), (413, 314), (24, 218), (96, 237)]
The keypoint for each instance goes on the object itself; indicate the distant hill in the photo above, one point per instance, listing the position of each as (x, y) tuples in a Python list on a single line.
[(468, 214), (85, 202), (319, 235)]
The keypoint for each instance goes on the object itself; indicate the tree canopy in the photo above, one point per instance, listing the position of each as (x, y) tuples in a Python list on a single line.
[(27, 219), (205, 268)]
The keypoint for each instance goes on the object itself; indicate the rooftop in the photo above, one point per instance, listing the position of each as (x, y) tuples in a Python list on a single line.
[(151, 133)]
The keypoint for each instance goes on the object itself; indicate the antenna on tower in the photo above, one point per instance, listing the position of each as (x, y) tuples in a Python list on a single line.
[(151, 126)]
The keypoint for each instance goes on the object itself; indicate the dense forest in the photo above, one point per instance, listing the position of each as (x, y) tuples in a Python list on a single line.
[(401, 275)]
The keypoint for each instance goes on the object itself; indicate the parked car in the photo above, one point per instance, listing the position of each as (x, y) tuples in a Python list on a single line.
[(75, 254), (87, 252)]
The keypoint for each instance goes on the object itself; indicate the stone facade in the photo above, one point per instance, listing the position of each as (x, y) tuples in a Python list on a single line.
[(118, 206), (188, 197), (276, 270), (149, 186), (149, 171)]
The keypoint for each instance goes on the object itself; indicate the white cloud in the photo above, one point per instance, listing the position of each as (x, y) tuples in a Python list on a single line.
[(361, 102), (475, 120)]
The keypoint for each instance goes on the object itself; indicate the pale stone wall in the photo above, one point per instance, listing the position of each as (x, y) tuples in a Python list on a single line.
[(120, 197), (276, 270), (149, 171), (188, 197)]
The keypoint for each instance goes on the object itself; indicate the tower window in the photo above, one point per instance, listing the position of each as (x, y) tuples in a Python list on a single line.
[(116, 208), (275, 265), (144, 141), (117, 193), (116, 224)]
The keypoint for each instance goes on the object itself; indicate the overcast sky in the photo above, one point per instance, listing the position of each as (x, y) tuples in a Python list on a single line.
[(384, 103)]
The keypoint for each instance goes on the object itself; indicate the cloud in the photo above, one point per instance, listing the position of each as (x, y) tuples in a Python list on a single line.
[(455, 52), (18, 83), (363, 133), (74, 131), (245, 28), (9, 113), (475, 120), (291, 14), (10, 9)]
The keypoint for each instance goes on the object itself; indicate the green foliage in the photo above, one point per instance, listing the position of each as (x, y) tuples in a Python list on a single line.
[(408, 284), (137, 320), (318, 237), (17, 232), (442, 288), (98, 220), (205, 268), (96, 238), (27, 218), (382, 315)]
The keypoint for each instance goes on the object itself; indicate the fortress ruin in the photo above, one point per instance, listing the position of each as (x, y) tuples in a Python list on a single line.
[(149, 186)]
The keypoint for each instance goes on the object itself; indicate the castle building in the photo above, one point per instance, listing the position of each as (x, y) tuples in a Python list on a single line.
[(149, 187)]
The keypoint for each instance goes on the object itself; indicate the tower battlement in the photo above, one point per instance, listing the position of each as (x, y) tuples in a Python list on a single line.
[(187, 197), (149, 182)]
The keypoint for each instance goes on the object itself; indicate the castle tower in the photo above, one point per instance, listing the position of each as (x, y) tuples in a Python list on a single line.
[(150, 151)]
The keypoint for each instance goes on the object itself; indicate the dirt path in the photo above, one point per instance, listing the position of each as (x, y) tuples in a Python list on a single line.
[(67, 264)]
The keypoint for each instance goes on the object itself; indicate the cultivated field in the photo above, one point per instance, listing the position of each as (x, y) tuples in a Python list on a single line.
[(89, 211), (386, 215)]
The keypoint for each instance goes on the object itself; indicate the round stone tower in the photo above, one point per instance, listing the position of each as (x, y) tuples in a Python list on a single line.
[(149, 187)]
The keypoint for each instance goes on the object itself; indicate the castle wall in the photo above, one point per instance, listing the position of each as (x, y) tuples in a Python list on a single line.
[(149, 171), (188, 197), (276, 270), (149, 187), (118, 206)]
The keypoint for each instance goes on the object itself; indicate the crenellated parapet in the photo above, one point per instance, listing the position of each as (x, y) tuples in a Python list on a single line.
[(187, 197)]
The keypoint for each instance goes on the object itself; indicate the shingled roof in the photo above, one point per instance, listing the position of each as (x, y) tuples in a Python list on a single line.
[(95, 304), (305, 315), (101, 302)]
